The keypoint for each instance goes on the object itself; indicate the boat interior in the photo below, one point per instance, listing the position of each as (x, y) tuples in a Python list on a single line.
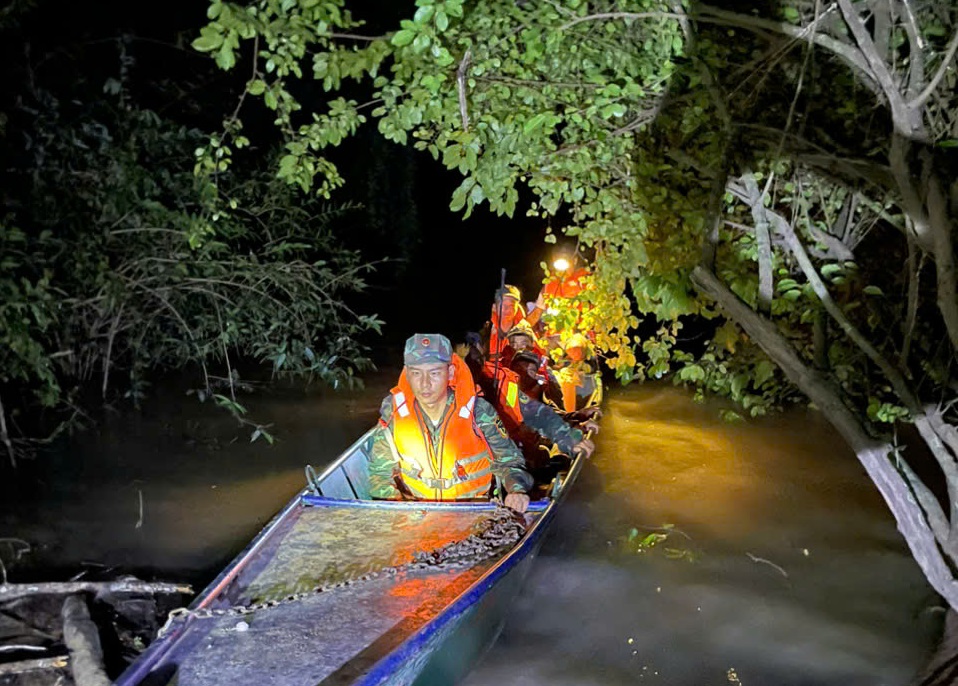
[(321, 562)]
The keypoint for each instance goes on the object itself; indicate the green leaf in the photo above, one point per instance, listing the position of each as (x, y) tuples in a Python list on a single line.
[(830, 270), (209, 40), (787, 285), (420, 43), (872, 290), (764, 371), (476, 194), (404, 37), (225, 58), (615, 109)]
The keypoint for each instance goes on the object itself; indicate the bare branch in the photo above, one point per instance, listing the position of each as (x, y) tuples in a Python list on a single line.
[(5, 437), (918, 102), (944, 251), (461, 87), (807, 33), (762, 241), (928, 502), (916, 48), (13, 591), (39, 665), (622, 15), (879, 70), (913, 266)]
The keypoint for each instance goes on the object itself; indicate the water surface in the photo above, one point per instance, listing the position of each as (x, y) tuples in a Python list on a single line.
[(780, 565)]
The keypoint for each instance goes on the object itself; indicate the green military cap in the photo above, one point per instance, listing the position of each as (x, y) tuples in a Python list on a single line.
[(423, 348)]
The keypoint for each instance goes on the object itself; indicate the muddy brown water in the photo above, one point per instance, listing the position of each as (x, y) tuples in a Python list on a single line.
[(776, 562)]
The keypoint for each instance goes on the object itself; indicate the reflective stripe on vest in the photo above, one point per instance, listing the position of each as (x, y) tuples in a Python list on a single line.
[(512, 393)]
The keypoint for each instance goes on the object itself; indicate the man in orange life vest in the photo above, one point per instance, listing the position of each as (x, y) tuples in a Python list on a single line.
[(507, 312), (437, 440)]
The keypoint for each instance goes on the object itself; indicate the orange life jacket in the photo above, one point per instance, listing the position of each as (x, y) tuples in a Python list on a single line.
[(507, 404), (566, 285), (461, 468), (496, 341)]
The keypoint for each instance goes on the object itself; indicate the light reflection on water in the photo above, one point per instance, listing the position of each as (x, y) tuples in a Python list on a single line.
[(788, 568)]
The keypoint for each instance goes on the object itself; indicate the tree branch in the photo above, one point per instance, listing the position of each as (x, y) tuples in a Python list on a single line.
[(947, 287), (621, 15), (922, 98), (5, 437), (916, 48), (38, 665), (901, 113), (13, 591), (461, 87), (807, 33), (913, 266), (762, 241)]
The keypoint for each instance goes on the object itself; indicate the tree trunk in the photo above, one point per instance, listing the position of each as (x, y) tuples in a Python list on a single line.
[(872, 453)]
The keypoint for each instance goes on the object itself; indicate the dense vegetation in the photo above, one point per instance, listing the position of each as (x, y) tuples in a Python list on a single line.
[(119, 262), (786, 172)]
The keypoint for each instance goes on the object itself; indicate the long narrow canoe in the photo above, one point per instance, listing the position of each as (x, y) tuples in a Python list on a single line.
[(308, 601)]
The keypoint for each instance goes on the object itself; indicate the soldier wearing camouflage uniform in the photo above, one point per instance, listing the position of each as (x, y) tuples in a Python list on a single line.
[(433, 409)]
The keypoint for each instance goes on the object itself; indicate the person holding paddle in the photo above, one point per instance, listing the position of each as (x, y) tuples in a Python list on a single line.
[(437, 440)]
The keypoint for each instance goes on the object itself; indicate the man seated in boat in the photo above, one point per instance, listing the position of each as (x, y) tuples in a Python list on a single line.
[(437, 440), (539, 383), (527, 421), (507, 312)]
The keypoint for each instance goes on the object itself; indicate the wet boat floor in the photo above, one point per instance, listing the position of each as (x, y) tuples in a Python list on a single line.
[(333, 636)]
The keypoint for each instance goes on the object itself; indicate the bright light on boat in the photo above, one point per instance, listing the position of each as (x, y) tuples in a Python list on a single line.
[(561, 264)]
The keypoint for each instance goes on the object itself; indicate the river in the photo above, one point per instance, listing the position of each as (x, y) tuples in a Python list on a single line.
[(690, 552)]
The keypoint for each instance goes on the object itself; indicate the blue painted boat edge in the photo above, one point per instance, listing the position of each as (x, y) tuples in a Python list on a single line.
[(311, 500), (383, 670), (142, 666)]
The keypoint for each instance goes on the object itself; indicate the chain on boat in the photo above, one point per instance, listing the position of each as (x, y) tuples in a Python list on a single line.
[(501, 530)]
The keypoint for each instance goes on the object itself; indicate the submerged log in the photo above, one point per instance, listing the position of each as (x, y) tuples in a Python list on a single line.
[(13, 591), (82, 639), (40, 664)]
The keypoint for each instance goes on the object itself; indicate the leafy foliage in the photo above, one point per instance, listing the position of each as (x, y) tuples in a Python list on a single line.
[(104, 283)]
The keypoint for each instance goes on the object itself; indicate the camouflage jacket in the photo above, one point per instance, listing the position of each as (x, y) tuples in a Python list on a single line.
[(548, 423), (508, 464)]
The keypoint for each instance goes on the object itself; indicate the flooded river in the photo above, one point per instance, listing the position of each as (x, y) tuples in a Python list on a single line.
[(691, 552)]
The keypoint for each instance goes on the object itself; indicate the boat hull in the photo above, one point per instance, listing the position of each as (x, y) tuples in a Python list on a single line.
[(348, 604)]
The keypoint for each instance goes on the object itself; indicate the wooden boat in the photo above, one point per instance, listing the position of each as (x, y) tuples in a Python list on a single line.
[(417, 625)]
